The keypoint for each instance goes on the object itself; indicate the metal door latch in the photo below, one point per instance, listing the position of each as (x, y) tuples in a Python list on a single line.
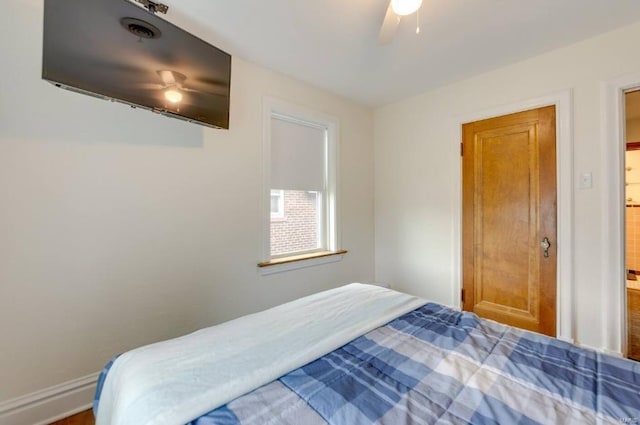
[(545, 244)]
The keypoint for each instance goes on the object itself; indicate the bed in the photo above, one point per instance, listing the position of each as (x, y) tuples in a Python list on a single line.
[(362, 354)]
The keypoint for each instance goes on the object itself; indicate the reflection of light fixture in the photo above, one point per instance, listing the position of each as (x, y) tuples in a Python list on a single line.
[(405, 7), (172, 95)]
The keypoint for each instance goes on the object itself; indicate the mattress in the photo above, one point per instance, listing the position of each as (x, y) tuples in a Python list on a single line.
[(434, 365)]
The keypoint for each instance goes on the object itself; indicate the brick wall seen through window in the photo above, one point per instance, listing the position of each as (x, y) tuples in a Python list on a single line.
[(297, 230)]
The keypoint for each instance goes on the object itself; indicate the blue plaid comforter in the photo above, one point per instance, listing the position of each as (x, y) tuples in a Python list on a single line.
[(437, 365)]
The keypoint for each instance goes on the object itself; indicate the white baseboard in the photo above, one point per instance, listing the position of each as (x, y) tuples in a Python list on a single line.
[(50, 404), (565, 339), (601, 350), (613, 353)]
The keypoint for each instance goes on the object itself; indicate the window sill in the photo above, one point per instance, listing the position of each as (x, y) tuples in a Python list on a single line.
[(278, 265)]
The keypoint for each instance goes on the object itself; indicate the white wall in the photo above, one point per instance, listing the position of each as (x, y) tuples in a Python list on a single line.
[(416, 153), (119, 227)]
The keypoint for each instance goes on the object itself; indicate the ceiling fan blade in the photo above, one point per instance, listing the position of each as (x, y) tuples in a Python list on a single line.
[(212, 81), (389, 26), (167, 77), (171, 78), (187, 89), (147, 86)]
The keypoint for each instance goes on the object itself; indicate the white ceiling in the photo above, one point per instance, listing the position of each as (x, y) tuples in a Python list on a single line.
[(333, 43)]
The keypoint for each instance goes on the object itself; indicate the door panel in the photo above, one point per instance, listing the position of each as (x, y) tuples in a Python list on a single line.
[(509, 207)]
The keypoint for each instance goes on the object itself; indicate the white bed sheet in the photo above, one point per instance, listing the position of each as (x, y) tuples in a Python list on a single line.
[(175, 381)]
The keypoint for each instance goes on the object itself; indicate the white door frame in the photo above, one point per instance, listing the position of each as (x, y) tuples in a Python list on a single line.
[(564, 169), (612, 134)]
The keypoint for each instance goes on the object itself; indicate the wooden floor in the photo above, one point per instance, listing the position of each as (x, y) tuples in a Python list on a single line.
[(633, 323), (82, 418)]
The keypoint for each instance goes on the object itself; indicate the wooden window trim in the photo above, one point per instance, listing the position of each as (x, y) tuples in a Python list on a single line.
[(301, 257)]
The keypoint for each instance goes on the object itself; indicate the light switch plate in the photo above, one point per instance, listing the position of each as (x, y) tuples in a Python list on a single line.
[(586, 181)]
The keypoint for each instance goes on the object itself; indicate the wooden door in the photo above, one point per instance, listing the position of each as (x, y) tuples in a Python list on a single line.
[(509, 208)]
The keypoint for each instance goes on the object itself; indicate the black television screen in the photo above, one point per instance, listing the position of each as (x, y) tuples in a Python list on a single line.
[(117, 50)]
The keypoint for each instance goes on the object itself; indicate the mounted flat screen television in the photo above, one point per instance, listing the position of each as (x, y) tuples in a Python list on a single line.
[(117, 50)]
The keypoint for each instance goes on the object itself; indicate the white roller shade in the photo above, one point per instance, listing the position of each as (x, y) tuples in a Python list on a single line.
[(297, 156)]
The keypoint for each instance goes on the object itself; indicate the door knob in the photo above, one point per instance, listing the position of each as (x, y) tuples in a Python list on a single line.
[(545, 244)]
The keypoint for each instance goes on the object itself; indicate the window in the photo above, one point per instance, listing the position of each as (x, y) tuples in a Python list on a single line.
[(300, 230), (277, 204), (300, 180)]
